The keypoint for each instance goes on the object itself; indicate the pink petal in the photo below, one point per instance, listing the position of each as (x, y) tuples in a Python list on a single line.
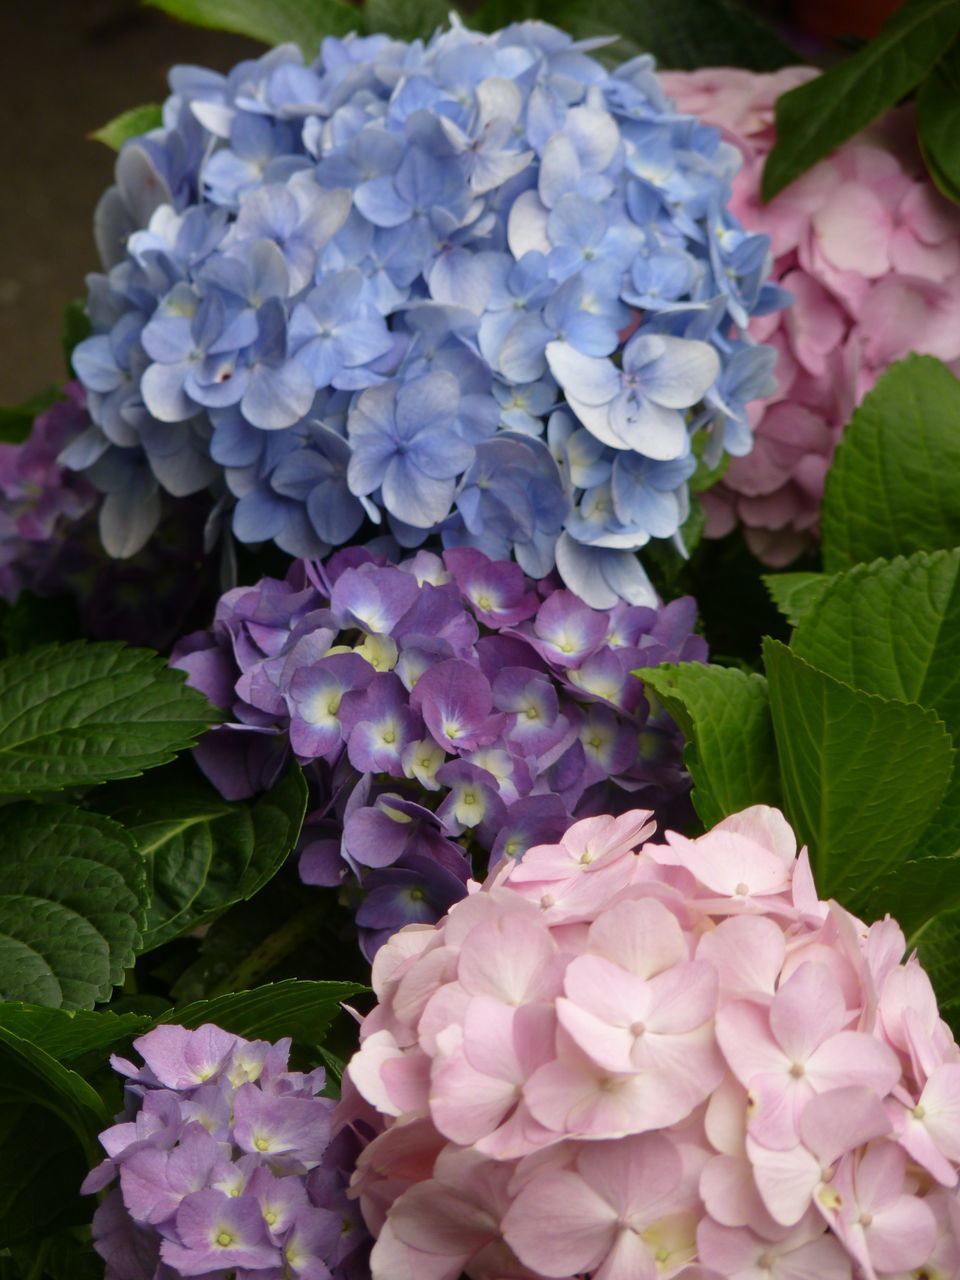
[(853, 229), (853, 1057), (729, 863), (743, 1033), (637, 1176), (511, 960), (558, 1225), (902, 1235), (839, 1120), (786, 1180), (730, 1193), (941, 1104), (807, 1009), (629, 1259), (747, 953), (641, 936)]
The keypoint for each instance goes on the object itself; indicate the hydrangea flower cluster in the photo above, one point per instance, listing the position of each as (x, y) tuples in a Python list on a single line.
[(445, 707), (481, 286), (672, 1060), (870, 251), (41, 498), (225, 1167)]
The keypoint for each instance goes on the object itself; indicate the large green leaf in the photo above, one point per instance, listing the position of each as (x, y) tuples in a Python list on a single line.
[(725, 715), (65, 1034), (303, 1010), (204, 852), (938, 945), (83, 712), (893, 489), (16, 421), (129, 124), (412, 20), (815, 118), (49, 1119), (72, 897), (795, 594), (684, 35), (304, 22), (938, 123), (892, 628), (862, 775)]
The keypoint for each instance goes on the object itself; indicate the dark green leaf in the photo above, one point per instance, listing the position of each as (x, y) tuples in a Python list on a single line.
[(49, 1119), (684, 35), (725, 716), (413, 20), (892, 489), (938, 123), (75, 326), (815, 118), (304, 22), (494, 14), (938, 945), (66, 1035), (204, 852), (129, 124), (862, 775), (72, 897), (892, 628), (303, 1010), (795, 594), (84, 712), (16, 421), (59, 1257)]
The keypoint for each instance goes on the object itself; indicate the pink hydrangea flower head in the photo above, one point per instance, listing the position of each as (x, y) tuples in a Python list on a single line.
[(870, 251), (625, 1059)]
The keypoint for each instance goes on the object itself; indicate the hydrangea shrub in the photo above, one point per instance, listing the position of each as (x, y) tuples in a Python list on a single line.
[(870, 251), (224, 1165), (445, 709), (479, 286), (625, 1060)]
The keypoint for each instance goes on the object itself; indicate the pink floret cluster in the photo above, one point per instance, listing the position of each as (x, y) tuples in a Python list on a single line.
[(870, 251), (634, 1061)]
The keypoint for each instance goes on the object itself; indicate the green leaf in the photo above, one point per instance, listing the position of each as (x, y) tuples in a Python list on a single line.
[(84, 712), (938, 122), (724, 714), (795, 594), (129, 124), (303, 1010), (413, 20), (304, 22), (862, 775), (938, 945), (66, 1035), (75, 326), (892, 488), (892, 628), (204, 852), (49, 1120), (494, 14), (16, 421), (59, 1257), (815, 118), (72, 896), (684, 35)]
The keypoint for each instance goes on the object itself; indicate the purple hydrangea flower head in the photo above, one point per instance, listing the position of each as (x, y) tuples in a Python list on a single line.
[(224, 1163), (447, 710), (360, 288)]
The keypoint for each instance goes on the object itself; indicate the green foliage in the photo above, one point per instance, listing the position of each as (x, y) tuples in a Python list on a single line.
[(725, 715), (67, 1035), (938, 123), (72, 895), (303, 1010), (891, 628), (795, 594), (16, 421), (129, 124), (844, 756), (58, 1257), (817, 117), (272, 21), (204, 852), (407, 21), (938, 944), (84, 712), (49, 1120), (892, 489)]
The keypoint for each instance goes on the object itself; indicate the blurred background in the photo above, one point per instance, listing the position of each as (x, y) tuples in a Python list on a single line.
[(71, 66)]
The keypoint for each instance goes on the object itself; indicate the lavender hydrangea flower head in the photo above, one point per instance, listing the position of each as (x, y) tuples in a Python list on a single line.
[(223, 1161), (448, 711), (362, 289), (42, 499)]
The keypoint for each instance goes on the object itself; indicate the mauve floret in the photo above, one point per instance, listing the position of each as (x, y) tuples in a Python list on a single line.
[(399, 284), (624, 1060), (224, 1160), (870, 251), (447, 710)]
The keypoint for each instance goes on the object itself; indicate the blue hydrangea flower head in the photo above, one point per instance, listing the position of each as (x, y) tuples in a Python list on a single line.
[(361, 289)]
